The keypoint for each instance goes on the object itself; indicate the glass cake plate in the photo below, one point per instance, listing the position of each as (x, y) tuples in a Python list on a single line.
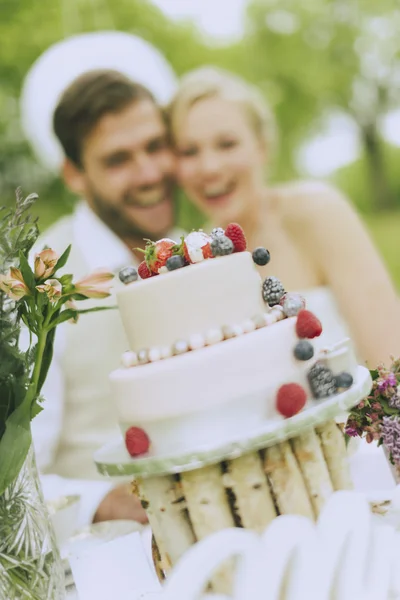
[(113, 459)]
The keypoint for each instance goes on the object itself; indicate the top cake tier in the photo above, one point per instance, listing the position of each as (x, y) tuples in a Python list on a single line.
[(162, 310)]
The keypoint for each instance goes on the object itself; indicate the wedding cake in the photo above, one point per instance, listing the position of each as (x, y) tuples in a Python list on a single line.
[(215, 350)]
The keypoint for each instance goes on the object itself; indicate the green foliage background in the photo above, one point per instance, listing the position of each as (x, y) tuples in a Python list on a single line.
[(310, 59)]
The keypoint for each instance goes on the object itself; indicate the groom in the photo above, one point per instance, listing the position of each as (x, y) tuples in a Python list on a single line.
[(118, 161)]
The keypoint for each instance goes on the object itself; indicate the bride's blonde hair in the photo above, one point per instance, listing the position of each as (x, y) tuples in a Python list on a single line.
[(208, 82)]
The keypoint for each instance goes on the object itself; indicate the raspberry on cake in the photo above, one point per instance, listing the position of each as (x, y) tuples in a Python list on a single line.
[(308, 325), (235, 233), (290, 399)]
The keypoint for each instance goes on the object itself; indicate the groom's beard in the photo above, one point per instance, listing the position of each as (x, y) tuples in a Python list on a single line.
[(116, 219)]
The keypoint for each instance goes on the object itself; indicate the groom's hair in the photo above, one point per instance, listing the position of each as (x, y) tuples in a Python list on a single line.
[(87, 100)]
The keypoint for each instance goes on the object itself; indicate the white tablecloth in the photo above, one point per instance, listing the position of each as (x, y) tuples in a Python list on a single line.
[(371, 475)]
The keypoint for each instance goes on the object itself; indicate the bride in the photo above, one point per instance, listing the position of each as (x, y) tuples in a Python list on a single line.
[(223, 134)]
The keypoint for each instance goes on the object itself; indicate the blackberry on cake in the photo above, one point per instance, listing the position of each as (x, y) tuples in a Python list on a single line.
[(272, 290), (221, 246), (322, 381)]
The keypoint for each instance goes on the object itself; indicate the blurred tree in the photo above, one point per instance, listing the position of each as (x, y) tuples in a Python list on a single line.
[(320, 56)]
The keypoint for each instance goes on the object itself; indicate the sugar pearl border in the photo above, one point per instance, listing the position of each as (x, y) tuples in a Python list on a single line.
[(197, 341)]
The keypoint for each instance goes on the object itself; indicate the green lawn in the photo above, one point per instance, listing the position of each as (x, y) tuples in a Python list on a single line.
[(385, 230)]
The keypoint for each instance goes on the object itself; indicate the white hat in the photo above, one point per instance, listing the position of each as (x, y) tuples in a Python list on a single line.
[(62, 63)]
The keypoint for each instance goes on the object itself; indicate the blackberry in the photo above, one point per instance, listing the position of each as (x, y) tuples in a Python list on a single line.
[(175, 262), (221, 246), (272, 290), (322, 381), (344, 380), (261, 256), (217, 232), (303, 350), (128, 275)]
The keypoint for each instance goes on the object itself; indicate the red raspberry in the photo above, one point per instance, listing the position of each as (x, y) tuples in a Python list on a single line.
[(307, 325), (290, 399), (144, 271), (137, 441), (235, 233)]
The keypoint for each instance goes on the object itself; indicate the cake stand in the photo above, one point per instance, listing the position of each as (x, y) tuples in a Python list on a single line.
[(289, 466)]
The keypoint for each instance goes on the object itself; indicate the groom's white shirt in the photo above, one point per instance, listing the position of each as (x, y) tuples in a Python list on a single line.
[(79, 416)]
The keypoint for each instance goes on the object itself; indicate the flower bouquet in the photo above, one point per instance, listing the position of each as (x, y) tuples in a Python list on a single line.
[(377, 417), (37, 299)]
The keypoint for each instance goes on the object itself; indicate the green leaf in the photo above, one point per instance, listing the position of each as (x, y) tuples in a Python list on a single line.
[(37, 407), (95, 309), (388, 409), (47, 358), (27, 272), (65, 315), (63, 258), (374, 374), (65, 280), (15, 443)]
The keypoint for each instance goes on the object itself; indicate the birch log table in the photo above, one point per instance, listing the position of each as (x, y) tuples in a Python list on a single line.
[(289, 466)]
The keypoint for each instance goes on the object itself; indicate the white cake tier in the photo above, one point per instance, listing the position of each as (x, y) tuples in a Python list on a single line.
[(189, 401), (173, 306)]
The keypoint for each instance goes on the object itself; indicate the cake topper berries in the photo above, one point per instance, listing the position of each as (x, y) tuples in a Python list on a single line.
[(261, 256), (175, 262), (290, 399), (128, 275), (137, 441), (344, 380), (156, 254), (303, 350), (235, 233), (322, 381), (308, 325), (272, 290), (292, 304), (144, 271), (221, 246), (196, 247), (217, 231)]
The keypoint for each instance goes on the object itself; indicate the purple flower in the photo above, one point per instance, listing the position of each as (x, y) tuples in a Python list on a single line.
[(394, 401), (391, 436), (351, 431)]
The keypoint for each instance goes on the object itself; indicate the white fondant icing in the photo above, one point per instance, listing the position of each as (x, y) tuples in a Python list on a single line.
[(160, 310), (213, 336), (248, 326), (129, 359), (196, 341), (154, 354)]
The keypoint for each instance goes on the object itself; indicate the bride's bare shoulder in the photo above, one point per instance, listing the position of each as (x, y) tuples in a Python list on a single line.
[(307, 199)]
